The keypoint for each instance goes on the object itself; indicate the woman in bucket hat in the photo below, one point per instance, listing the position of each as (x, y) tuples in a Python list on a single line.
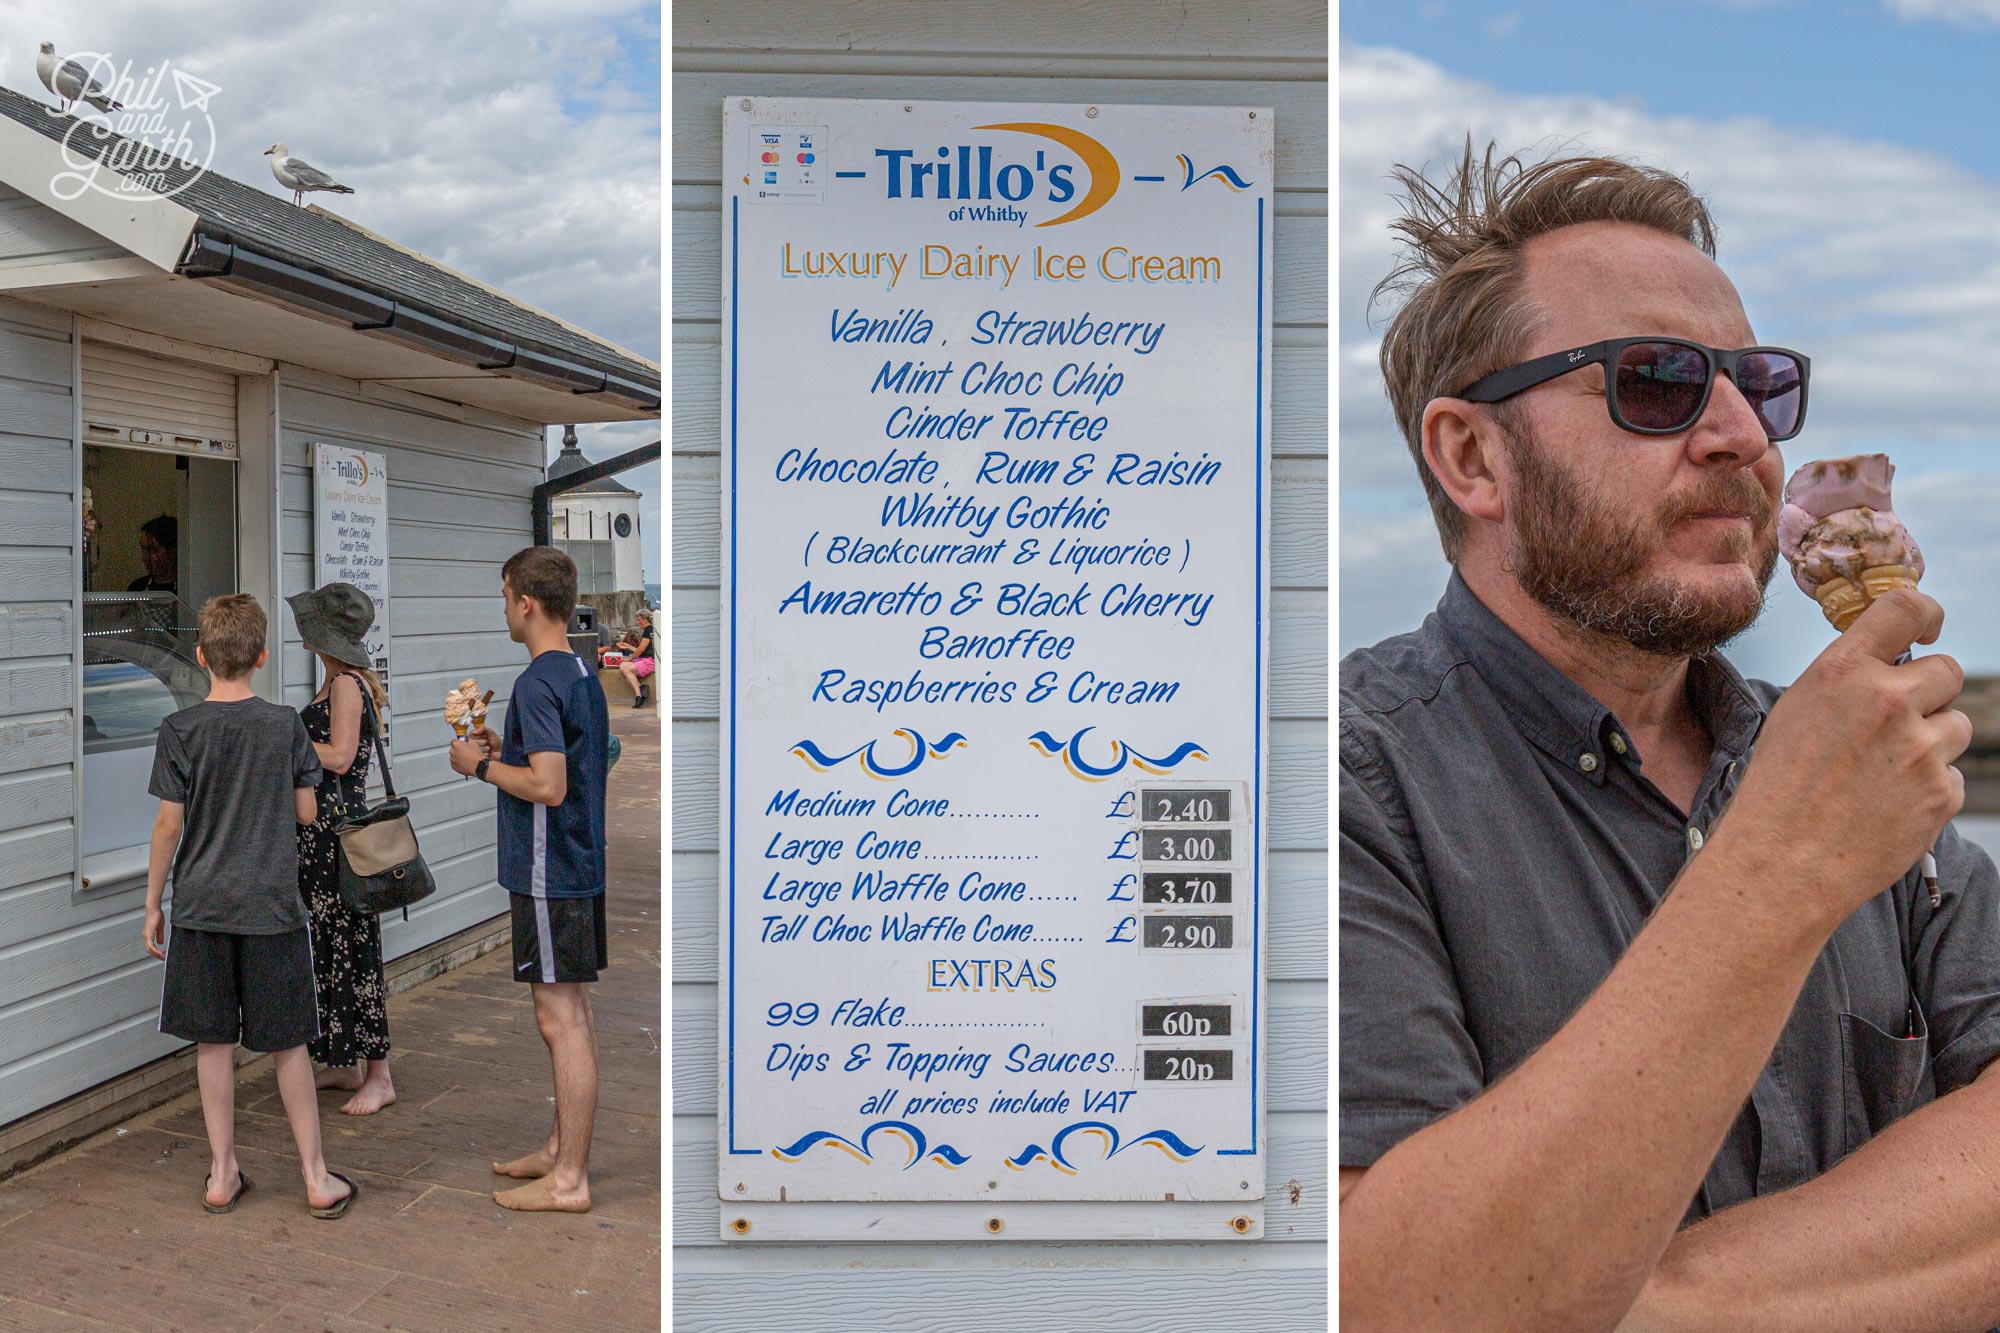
[(353, 1044)]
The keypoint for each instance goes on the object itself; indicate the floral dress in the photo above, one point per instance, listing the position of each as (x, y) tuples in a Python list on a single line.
[(346, 945)]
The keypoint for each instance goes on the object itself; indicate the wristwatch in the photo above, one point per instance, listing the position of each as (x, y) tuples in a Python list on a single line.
[(480, 771)]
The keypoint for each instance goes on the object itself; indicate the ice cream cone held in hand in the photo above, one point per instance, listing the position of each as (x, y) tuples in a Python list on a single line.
[(464, 710), (1845, 546)]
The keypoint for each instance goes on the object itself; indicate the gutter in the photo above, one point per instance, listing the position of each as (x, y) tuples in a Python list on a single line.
[(364, 311), (583, 476)]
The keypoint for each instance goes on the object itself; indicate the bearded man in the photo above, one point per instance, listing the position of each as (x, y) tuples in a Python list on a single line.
[(1645, 1015)]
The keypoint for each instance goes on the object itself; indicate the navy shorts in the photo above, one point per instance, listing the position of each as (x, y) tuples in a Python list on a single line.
[(558, 939), (223, 989)]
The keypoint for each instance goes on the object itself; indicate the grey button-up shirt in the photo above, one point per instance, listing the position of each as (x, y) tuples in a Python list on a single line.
[(1500, 847)]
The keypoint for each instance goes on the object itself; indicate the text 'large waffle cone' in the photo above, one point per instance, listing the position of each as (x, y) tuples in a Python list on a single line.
[(1843, 600)]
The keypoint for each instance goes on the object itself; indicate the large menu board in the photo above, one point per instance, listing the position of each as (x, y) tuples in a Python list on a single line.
[(351, 539), (995, 411)]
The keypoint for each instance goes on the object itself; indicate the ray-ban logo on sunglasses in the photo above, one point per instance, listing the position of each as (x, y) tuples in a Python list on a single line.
[(1578, 355)]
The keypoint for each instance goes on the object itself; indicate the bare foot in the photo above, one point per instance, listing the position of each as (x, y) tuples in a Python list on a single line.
[(532, 1167), (346, 1079), (540, 1196), (221, 1187), (329, 1194), (374, 1095)]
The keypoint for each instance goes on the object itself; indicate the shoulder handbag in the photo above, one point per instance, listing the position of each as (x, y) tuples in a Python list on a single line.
[(380, 866)]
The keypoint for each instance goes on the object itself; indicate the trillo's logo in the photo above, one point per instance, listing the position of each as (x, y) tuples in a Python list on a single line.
[(984, 174)]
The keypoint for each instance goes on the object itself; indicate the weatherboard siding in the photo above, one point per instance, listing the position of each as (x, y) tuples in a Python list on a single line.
[(460, 482), (1199, 54), (32, 235), (77, 989)]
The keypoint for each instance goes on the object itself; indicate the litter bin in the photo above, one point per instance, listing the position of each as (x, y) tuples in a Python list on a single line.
[(583, 638)]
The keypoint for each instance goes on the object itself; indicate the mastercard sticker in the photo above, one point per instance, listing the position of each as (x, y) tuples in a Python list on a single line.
[(788, 160)]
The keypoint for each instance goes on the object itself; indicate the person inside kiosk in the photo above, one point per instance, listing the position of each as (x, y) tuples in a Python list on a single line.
[(159, 549)]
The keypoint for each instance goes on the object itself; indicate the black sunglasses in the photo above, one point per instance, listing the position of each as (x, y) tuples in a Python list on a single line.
[(1661, 385)]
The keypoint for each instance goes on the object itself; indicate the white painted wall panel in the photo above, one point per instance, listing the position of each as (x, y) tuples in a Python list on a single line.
[(459, 487), (1202, 53), (31, 234), (42, 951)]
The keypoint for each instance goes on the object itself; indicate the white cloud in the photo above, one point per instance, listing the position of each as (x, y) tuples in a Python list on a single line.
[(1502, 26), (1876, 260), (519, 144)]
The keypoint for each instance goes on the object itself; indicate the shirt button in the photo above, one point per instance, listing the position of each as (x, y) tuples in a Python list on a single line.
[(1694, 839), (1588, 763), (1618, 742)]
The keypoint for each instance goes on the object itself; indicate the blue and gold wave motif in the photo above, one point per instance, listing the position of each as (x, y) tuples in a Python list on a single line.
[(1055, 1155), (1071, 753), (901, 1131), (1227, 175), (820, 761)]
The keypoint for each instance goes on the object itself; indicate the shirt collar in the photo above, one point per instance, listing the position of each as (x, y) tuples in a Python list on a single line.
[(1560, 716)]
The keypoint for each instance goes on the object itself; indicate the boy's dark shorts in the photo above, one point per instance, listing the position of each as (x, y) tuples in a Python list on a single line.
[(558, 939), (256, 989)]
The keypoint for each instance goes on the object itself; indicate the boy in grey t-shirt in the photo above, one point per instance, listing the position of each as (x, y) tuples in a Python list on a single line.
[(235, 778)]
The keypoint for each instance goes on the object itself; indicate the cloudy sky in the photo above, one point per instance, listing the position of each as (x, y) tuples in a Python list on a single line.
[(1858, 207), (516, 142)]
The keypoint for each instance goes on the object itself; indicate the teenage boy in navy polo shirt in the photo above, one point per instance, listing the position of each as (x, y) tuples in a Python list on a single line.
[(550, 770)]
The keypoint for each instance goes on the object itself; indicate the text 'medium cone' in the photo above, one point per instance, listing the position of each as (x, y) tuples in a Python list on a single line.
[(1843, 600)]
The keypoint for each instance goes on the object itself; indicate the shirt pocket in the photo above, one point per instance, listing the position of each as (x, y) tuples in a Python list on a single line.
[(1885, 1077)]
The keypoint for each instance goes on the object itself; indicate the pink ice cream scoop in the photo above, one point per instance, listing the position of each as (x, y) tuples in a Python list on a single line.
[(1845, 546)]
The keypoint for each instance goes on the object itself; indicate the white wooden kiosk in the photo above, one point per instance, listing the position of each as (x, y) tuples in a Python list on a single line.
[(178, 354)]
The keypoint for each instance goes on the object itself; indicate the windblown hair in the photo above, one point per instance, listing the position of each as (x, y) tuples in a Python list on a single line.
[(1465, 315), (232, 630)]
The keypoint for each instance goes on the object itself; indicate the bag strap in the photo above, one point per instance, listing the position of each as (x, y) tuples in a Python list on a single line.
[(381, 755)]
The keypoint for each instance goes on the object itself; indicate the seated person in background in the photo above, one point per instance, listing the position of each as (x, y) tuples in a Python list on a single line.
[(638, 664)]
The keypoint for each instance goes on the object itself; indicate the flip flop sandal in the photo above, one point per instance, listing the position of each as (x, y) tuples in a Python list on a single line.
[(242, 1188), (338, 1210)]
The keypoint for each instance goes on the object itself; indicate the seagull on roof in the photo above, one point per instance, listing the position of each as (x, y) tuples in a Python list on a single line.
[(71, 82), (298, 176)]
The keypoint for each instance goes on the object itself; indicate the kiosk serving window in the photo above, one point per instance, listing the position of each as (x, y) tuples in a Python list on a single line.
[(159, 527)]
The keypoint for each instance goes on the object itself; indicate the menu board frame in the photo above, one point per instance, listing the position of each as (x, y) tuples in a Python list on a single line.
[(810, 1188)]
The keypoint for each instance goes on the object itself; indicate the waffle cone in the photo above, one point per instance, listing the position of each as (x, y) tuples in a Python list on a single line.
[(1843, 600)]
